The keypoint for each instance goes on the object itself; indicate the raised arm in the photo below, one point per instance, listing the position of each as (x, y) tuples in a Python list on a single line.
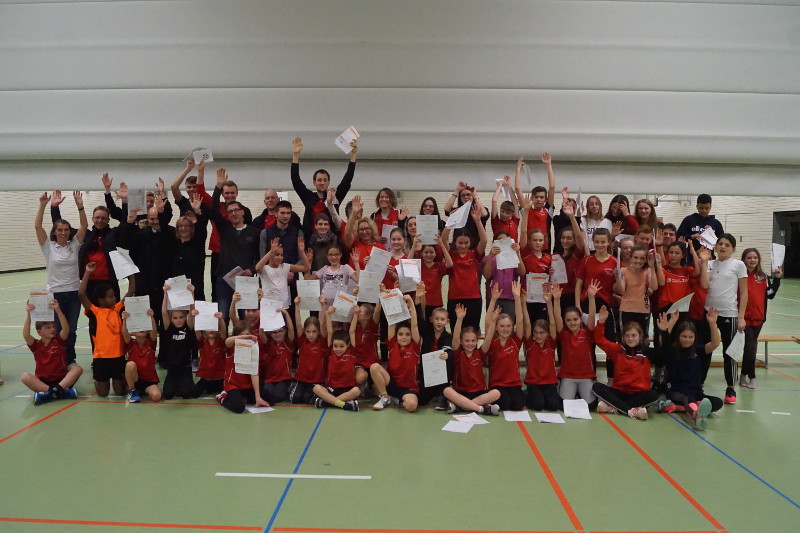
[(716, 337), (551, 178), (289, 324), (26, 326), (461, 312), (77, 196), (412, 310), (275, 244), (175, 186), (477, 211), (518, 179), (126, 335), (164, 313), (705, 276), (41, 234), (490, 323), (559, 321), (550, 296), (87, 273), (495, 197), (518, 323), (62, 319), (567, 209)]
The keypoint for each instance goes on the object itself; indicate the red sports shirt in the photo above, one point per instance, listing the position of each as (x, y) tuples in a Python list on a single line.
[(541, 362), (311, 359), (591, 269), (279, 361), (468, 371), (504, 362), (341, 370), (365, 345), (212, 359), (403, 364), (51, 358), (432, 278), (464, 275), (577, 354), (145, 358)]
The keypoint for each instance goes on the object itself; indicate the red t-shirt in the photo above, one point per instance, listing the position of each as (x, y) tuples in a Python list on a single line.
[(279, 361), (269, 220), (697, 307), (468, 371), (631, 367), (676, 285), (756, 312), (97, 256), (391, 220), (388, 279), (363, 251), (403, 364), (233, 379), (504, 362), (510, 226), (533, 264), (577, 354), (464, 275), (341, 370), (213, 242), (365, 345), (590, 269), (145, 358), (311, 359), (541, 219), (541, 362), (51, 358), (432, 278), (212, 359), (572, 267)]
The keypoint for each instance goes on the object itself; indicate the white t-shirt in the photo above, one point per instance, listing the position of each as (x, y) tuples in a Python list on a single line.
[(275, 283), (62, 265), (331, 281), (589, 225), (723, 291)]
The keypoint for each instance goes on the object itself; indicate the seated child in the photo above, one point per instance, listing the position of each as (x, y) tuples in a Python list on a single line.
[(239, 389), (503, 354), (341, 390), (211, 346), (312, 355), (140, 370)]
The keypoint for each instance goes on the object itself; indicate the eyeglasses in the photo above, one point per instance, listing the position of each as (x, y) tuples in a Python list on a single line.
[(234, 210)]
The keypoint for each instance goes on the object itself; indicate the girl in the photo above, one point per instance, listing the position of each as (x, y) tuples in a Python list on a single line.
[(388, 213), (239, 389), (592, 219), (534, 259), (724, 278), (178, 342), (760, 288), (631, 392), (364, 337), (621, 219), (433, 272), (410, 233), (540, 354), (600, 268), (503, 278), (276, 349), (685, 368), (334, 276), (400, 378), (637, 282), (430, 207), (212, 359), (140, 370), (645, 213), (463, 194), (576, 372), (573, 244), (463, 288), (469, 383), (673, 278), (321, 241), (312, 348), (626, 246), (342, 390), (397, 248), (503, 354), (274, 273)]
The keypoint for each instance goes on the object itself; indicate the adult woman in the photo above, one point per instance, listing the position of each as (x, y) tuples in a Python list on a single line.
[(361, 234), (594, 219), (60, 252), (464, 193), (188, 246), (388, 213)]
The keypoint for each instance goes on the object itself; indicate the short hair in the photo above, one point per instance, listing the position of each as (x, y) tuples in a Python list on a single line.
[(440, 310), (320, 171), (100, 290), (390, 193), (42, 323), (670, 226), (340, 335), (101, 208), (230, 183), (284, 203), (240, 327), (730, 238), (237, 202), (601, 232), (57, 223), (322, 216), (462, 232), (704, 199), (502, 232), (373, 228), (644, 228), (507, 206), (191, 179), (538, 189), (151, 194)]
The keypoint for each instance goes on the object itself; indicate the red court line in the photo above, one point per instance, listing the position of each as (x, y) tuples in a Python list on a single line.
[(51, 415), (784, 360), (713, 521), (553, 483), (362, 530), (127, 524), (782, 374), (153, 403)]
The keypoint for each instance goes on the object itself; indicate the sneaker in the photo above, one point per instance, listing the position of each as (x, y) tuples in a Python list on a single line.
[(703, 410), (730, 396), (394, 401), (492, 409), (319, 403), (665, 406), (41, 397), (638, 412), (134, 397), (220, 397), (743, 380), (451, 407), (603, 407), (381, 404), (441, 403), (351, 405), (71, 393), (751, 384)]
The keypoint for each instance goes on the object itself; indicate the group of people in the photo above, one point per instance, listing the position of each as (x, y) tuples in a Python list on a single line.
[(624, 269)]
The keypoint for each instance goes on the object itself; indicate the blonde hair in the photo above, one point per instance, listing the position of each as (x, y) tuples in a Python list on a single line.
[(373, 228)]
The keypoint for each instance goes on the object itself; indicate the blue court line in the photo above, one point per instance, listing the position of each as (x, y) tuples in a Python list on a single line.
[(296, 468), (13, 347), (737, 463), (15, 394)]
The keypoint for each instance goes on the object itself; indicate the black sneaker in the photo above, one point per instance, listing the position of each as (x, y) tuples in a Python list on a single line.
[(351, 405), (441, 404), (319, 403), (492, 409)]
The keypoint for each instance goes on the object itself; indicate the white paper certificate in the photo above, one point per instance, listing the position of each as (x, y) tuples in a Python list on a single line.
[(308, 291), (577, 409), (392, 302), (202, 154), (343, 141), (434, 368), (778, 254), (736, 347), (427, 228), (404, 314), (534, 283), (40, 299), (386, 232), (343, 305), (559, 270), (682, 305), (271, 318), (230, 277), (247, 287), (507, 258), (458, 218), (139, 320), (136, 201), (378, 261), (205, 319), (245, 356), (123, 264), (410, 275), (369, 286), (178, 294)]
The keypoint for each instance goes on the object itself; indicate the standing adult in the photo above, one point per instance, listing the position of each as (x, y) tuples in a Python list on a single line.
[(60, 250), (186, 247), (270, 213)]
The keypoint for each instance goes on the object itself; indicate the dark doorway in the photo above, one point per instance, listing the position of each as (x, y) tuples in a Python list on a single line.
[(786, 231)]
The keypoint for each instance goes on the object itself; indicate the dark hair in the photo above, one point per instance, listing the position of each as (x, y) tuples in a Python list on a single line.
[(237, 202), (100, 290), (230, 183), (730, 238), (435, 206), (322, 216), (542, 324), (704, 199), (57, 223), (462, 232), (320, 171), (39, 324), (689, 353), (652, 219), (759, 271), (469, 329), (191, 179), (240, 327), (101, 208), (340, 335), (602, 232), (573, 309), (502, 232), (567, 253), (311, 321), (670, 226), (507, 205), (284, 203), (618, 199), (392, 197), (638, 327), (348, 208), (538, 188), (679, 245)]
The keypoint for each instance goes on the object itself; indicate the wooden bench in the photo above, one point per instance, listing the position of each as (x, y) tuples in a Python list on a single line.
[(767, 338)]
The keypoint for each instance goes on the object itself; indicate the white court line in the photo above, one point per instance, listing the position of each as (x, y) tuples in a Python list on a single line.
[(785, 298), (779, 413), (14, 301), (288, 476), (744, 411)]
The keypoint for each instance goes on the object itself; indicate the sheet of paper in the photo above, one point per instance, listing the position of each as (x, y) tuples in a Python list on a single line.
[(550, 418), (308, 291), (40, 299), (386, 233), (409, 271), (178, 294), (434, 368), (139, 320), (404, 314), (471, 418), (778, 254), (682, 305), (247, 287), (343, 141), (205, 319), (427, 228), (123, 264), (559, 270), (392, 302), (271, 318), (369, 286), (534, 285), (517, 416), (258, 410), (378, 261), (136, 201), (230, 277), (245, 356), (577, 409), (528, 176), (343, 304), (202, 154), (736, 347), (454, 426), (579, 202), (708, 238), (503, 190), (458, 218), (507, 258), (622, 236)]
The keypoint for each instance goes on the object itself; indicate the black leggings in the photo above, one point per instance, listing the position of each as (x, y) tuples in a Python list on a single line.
[(543, 397), (207, 386), (276, 391), (623, 401), (474, 309), (178, 381), (300, 392), (751, 334), (685, 398), (235, 399)]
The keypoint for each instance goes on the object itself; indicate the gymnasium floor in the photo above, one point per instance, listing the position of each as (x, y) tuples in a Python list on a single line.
[(103, 465)]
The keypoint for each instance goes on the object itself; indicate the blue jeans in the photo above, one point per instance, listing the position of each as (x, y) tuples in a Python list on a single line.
[(70, 305), (224, 297)]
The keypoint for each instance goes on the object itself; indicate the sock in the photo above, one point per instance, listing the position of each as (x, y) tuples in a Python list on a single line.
[(339, 403), (483, 409), (57, 391)]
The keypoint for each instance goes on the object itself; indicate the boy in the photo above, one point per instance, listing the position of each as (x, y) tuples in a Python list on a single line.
[(506, 219), (105, 331), (140, 370), (53, 379), (540, 214), (695, 224)]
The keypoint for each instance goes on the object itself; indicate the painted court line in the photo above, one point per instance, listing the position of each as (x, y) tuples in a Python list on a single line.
[(734, 461), (783, 360), (288, 476), (782, 374), (779, 413), (48, 417), (381, 530), (713, 521), (126, 524)]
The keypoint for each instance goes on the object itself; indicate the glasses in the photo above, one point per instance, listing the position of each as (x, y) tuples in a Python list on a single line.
[(234, 210)]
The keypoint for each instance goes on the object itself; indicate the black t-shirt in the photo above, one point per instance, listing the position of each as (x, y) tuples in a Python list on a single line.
[(177, 345)]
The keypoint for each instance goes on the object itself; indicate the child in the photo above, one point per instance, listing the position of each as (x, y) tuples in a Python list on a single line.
[(400, 381), (274, 273), (621, 219), (760, 288), (573, 244), (53, 378), (536, 261), (541, 211), (503, 355), (503, 278), (239, 389), (631, 393), (321, 241), (276, 349), (463, 288), (342, 390), (212, 358), (673, 278), (576, 373), (645, 214), (469, 383), (637, 282), (140, 370), (540, 353), (694, 225), (435, 337), (600, 267), (105, 331), (433, 272), (505, 219), (333, 276), (593, 218), (178, 342), (397, 247), (725, 278), (312, 346), (685, 368)]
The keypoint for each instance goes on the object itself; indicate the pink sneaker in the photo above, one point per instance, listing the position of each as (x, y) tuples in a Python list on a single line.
[(730, 398), (638, 412)]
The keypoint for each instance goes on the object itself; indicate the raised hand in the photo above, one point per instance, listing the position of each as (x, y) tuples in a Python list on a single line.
[(659, 238), (616, 229), (189, 165), (555, 290), (297, 146), (43, 199), (331, 195), (526, 201), (602, 316), (547, 158), (712, 315), (196, 202), (520, 163), (623, 208), (593, 288), (77, 196), (56, 199), (90, 267), (461, 311), (515, 288), (160, 185), (704, 254), (201, 166), (122, 193), (495, 291), (107, 181), (222, 177), (354, 146)]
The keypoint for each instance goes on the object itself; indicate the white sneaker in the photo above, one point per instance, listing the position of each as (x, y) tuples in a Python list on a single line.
[(751, 384), (638, 412), (603, 407), (381, 404)]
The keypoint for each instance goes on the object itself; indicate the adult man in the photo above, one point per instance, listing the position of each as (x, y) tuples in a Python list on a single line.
[(270, 214)]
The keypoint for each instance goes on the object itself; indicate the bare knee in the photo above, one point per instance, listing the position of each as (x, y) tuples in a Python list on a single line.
[(102, 388), (410, 403), (154, 393)]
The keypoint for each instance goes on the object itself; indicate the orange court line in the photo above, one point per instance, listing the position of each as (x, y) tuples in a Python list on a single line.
[(784, 360), (782, 374), (713, 521), (51, 415), (154, 403), (553, 483), (126, 524)]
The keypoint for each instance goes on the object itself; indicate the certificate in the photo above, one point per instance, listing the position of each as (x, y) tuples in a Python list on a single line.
[(123, 265), (40, 299), (427, 228), (778, 254), (736, 347), (178, 294), (369, 286), (247, 287), (534, 283), (230, 277), (136, 202), (137, 307), (271, 318), (205, 319), (392, 302), (386, 232), (458, 218), (401, 315), (245, 356), (343, 304), (378, 261), (409, 274), (434, 368), (682, 305), (308, 291), (507, 258), (343, 141), (559, 270)]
